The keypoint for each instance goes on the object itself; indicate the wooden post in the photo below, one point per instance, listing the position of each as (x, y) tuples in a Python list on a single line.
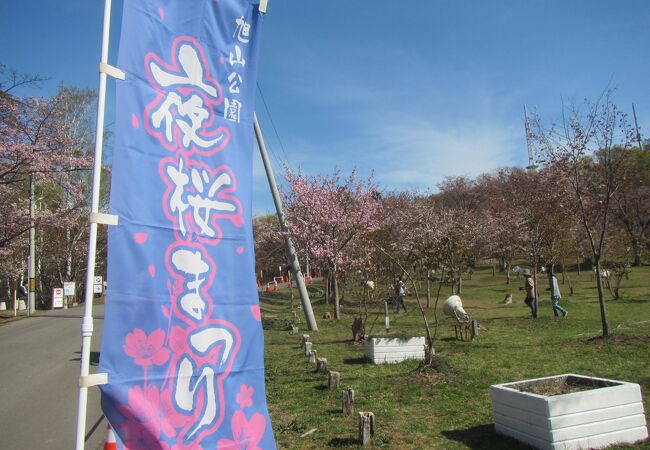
[(312, 356), (305, 338), (357, 329), (294, 329), (366, 427), (333, 379), (474, 329), (308, 346), (321, 365), (348, 401)]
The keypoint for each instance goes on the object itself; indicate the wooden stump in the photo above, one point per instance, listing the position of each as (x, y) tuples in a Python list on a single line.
[(347, 401), (327, 315), (508, 299), (294, 330), (321, 365), (474, 329), (357, 329), (295, 316), (305, 338), (333, 379), (308, 346), (366, 427), (312, 356)]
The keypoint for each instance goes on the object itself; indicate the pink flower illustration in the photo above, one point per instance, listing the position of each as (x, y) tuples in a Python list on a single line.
[(140, 437), (149, 410), (146, 350), (257, 314), (245, 396), (246, 435), (189, 446)]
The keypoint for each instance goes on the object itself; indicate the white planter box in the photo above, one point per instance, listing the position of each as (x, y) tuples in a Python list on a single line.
[(381, 350), (610, 413)]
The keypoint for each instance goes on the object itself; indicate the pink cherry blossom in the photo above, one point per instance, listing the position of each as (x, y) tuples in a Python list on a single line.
[(246, 435), (147, 350), (245, 396)]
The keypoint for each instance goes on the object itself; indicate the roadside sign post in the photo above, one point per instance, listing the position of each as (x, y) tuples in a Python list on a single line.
[(98, 284), (57, 298), (69, 289)]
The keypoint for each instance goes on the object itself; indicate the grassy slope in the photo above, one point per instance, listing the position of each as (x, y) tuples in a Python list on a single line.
[(449, 410)]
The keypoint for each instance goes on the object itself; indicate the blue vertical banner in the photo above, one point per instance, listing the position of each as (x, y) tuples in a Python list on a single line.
[(182, 342)]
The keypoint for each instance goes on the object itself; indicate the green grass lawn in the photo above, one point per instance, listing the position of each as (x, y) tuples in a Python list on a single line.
[(450, 409)]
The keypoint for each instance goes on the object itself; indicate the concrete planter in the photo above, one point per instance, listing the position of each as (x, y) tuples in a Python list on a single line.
[(604, 413), (381, 350)]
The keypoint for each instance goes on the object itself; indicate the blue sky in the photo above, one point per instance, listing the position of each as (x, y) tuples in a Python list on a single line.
[(411, 90)]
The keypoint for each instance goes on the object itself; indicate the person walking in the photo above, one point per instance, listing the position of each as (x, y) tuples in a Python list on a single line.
[(529, 287), (555, 292), (400, 291)]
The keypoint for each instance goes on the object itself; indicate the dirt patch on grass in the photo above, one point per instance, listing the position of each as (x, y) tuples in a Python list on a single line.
[(561, 385), (618, 339), (439, 372)]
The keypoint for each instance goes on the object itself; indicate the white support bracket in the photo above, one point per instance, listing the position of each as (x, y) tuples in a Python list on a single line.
[(94, 379), (112, 71), (104, 219), (263, 5)]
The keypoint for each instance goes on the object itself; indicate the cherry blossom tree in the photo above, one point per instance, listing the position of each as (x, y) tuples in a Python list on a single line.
[(327, 214), (631, 206), (270, 249), (589, 151), (47, 141)]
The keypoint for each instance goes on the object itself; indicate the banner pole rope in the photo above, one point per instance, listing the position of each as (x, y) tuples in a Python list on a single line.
[(87, 321)]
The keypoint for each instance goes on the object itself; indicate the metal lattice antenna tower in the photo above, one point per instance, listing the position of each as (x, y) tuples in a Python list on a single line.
[(531, 157)]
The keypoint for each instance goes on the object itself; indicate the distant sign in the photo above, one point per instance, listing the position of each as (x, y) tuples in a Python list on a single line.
[(98, 283), (57, 298), (69, 288)]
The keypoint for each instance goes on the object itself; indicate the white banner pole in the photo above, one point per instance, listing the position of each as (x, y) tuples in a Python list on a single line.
[(87, 321)]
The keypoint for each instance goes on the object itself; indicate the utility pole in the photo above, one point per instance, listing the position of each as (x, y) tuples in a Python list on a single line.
[(636, 127), (31, 269), (291, 250), (531, 157)]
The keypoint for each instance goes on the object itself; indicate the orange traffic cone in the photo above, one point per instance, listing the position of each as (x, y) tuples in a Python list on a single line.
[(268, 288), (110, 443), (275, 285)]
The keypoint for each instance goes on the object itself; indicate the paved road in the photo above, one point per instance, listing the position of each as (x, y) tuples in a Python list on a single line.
[(39, 371)]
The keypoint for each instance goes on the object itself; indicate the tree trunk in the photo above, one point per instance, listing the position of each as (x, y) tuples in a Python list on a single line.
[(327, 289), (337, 311), (601, 300), (460, 285), (565, 274), (508, 274), (428, 289), (637, 253), (536, 290)]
